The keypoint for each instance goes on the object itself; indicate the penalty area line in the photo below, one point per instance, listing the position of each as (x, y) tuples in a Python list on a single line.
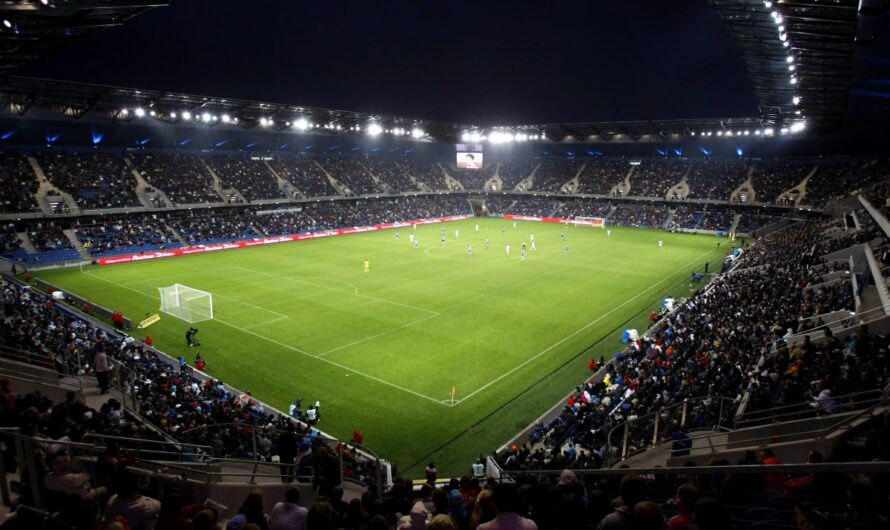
[(298, 350)]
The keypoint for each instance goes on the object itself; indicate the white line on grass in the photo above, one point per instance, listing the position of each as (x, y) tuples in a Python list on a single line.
[(266, 322), (292, 348), (288, 278), (569, 336), (372, 337)]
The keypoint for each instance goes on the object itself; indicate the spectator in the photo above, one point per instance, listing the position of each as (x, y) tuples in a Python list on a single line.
[(633, 491), (140, 511), (505, 503), (250, 512), (289, 515)]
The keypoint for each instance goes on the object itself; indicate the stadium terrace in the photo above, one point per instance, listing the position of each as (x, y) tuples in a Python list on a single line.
[(228, 313)]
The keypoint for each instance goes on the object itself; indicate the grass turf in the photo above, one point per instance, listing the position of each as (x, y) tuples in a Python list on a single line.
[(382, 350)]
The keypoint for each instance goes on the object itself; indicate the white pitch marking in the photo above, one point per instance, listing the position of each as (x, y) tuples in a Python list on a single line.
[(567, 337), (371, 337), (289, 347)]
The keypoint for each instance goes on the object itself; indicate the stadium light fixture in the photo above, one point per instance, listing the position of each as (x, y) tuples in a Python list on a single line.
[(235, 119), (226, 118), (747, 132), (719, 133), (767, 4), (791, 67), (186, 115), (789, 59), (374, 129), (139, 112), (152, 113), (205, 117), (125, 112), (7, 23), (798, 126), (779, 19), (796, 100), (769, 131), (758, 132), (783, 36), (728, 133), (465, 136), (783, 130), (302, 124), (172, 115), (475, 137), (786, 43), (417, 132)]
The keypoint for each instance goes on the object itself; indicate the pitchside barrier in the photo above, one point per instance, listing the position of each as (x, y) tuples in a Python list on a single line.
[(202, 249), (79, 302), (586, 221)]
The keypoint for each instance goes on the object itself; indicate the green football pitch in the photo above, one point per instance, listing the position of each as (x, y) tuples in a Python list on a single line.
[(383, 350)]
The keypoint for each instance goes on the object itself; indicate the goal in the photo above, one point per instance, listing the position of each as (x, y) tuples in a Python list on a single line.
[(590, 221), (186, 303)]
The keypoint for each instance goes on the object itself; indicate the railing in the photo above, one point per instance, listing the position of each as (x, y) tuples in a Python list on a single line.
[(797, 411), (638, 434)]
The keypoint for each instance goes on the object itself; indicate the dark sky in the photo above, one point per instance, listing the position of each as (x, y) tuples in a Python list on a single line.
[(483, 62)]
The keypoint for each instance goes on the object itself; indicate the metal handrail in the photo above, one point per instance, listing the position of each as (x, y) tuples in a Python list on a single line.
[(795, 409)]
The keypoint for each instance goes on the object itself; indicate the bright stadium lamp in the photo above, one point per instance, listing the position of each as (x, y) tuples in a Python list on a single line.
[(798, 126), (789, 59), (417, 132), (205, 117), (793, 80), (7, 23), (796, 100), (172, 115), (769, 131), (302, 124), (125, 112), (767, 4), (140, 112), (475, 137), (719, 133), (186, 115), (226, 118), (374, 129), (786, 43), (152, 113)]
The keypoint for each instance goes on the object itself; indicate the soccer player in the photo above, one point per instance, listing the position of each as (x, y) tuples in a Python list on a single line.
[(531, 238), (411, 238), (190, 337), (562, 234), (565, 248), (477, 228), (469, 250), (442, 239), (504, 230), (514, 224), (397, 234), (507, 248), (609, 232), (366, 265), (660, 243), (487, 243), (456, 234), (522, 253), (534, 247), (416, 243), (523, 247)]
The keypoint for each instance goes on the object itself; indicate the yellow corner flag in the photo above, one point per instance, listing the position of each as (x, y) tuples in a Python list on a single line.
[(453, 389)]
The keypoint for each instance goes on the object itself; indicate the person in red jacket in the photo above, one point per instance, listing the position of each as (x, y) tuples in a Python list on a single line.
[(772, 481)]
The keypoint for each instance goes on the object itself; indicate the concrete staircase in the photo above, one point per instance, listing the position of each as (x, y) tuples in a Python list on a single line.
[(419, 185), (680, 189), (176, 234), (341, 189), (735, 223), (495, 183), (72, 237), (287, 189), (26, 245), (381, 185), (802, 187), (47, 193), (670, 217), (142, 189), (226, 194), (572, 185), (745, 188), (452, 183), (526, 183), (623, 187)]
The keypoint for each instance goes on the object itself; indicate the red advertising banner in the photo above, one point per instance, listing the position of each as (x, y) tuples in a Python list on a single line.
[(591, 222), (202, 249)]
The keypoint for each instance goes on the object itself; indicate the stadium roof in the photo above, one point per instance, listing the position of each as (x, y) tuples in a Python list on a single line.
[(21, 94), (33, 28), (798, 54)]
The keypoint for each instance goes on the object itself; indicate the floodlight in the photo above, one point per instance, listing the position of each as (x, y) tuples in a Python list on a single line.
[(757, 132), (186, 115), (172, 115), (235, 119), (774, 14), (7, 23), (789, 59), (152, 113), (226, 118), (125, 112), (798, 126), (302, 124), (768, 131), (793, 80), (728, 133), (779, 19), (786, 43), (417, 132), (783, 130), (767, 4), (140, 112), (205, 117), (374, 129), (475, 137), (747, 132), (796, 100), (791, 67), (719, 133), (783, 36)]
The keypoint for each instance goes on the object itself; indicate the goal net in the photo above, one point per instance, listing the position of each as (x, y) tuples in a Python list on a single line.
[(186, 303), (590, 221)]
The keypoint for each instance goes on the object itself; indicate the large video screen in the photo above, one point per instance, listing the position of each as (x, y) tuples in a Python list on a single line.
[(469, 156)]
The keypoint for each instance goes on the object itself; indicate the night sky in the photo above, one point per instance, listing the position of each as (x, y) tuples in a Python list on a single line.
[(481, 62)]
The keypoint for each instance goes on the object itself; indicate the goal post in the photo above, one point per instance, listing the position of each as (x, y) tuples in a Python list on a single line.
[(186, 303), (590, 221)]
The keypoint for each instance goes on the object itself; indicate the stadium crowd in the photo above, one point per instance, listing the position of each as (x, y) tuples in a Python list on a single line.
[(18, 184), (350, 173), (655, 177), (183, 178), (304, 174), (393, 175), (473, 179), (715, 179), (512, 172), (118, 234), (96, 180), (772, 178), (638, 215), (248, 175), (600, 175), (553, 173)]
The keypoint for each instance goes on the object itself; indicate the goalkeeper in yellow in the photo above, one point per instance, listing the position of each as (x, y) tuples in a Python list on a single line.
[(366, 265)]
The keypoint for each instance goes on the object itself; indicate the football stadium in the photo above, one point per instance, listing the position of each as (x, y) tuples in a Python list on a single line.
[(605, 265)]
